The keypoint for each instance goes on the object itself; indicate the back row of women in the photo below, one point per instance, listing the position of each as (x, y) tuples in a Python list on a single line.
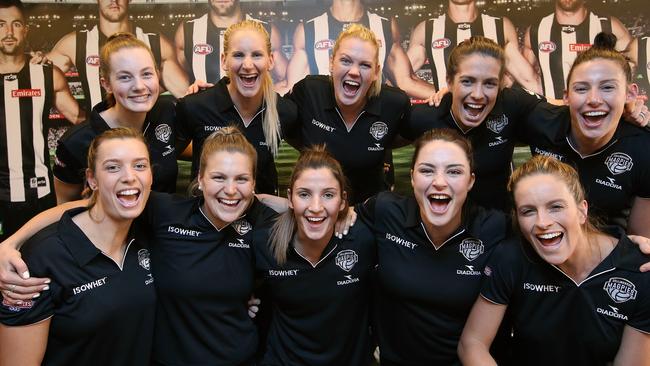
[(574, 293)]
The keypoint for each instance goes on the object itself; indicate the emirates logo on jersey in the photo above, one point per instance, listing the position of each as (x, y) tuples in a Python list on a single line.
[(346, 259), (497, 124), (26, 93), (440, 43), (324, 44), (464, 26), (619, 163), (378, 130), (143, 259), (620, 289), (547, 46), (203, 49), (471, 248), (579, 47), (92, 60)]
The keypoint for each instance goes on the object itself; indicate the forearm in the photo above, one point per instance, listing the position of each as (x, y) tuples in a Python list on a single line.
[(474, 352)]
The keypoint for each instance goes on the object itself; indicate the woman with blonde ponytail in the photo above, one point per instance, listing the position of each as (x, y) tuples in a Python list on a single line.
[(245, 98)]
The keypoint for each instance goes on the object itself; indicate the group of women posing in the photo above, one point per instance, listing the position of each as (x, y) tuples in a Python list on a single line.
[(573, 292)]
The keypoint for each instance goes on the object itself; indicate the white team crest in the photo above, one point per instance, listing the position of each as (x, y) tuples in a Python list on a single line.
[(620, 289), (378, 130), (242, 226), (471, 248), (163, 132), (143, 259), (618, 163), (346, 259), (497, 124), (10, 77)]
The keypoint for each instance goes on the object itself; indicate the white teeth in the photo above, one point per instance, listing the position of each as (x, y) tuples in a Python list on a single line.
[(128, 192), (549, 235), (475, 106), (439, 196), (352, 83), (228, 202), (595, 114), (315, 219)]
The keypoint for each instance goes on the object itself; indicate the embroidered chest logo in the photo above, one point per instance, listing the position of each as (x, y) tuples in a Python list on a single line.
[(143, 259), (242, 226), (471, 248), (568, 29), (163, 132), (619, 163), (464, 26), (11, 77), (497, 124), (620, 289), (346, 259), (203, 49), (378, 130)]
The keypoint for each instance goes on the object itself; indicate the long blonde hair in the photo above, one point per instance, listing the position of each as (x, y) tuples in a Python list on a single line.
[(271, 121), (361, 32)]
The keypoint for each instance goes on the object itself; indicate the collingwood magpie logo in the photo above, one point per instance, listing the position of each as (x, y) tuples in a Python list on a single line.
[(143, 259), (10, 77), (346, 259), (497, 124), (471, 248), (242, 226), (619, 163), (378, 130), (620, 289), (568, 29), (163, 132)]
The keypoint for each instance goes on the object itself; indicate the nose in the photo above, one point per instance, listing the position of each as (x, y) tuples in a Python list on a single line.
[(128, 174), (439, 181), (138, 83), (354, 69), (230, 187), (594, 97), (477, 91), (543, 219), (315, 204), (247, 63)]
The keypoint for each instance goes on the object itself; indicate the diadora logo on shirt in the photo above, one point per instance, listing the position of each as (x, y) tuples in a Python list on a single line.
[(612, 312), (400, 241), (322, 125), (471, 248), (498, 141), (163, 132), (547, 46), (468, 271), (203, 49), (348, 280), (92, 60), (324, 44), (568, 28), (610, 182), (26, 93), (619, 163), (464, 26), (579, 47), (620, 289), (143, 259), (541, 288), (551, 154), (183, 232), (378, 130), (377, 147), (242, 226), (27, 304), (440, 43), (89, 286), (239, 244), (497, 124), (346, 259), (168, 150)]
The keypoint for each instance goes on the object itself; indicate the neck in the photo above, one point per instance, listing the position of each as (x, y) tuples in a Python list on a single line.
[(12, 63), (570, 17), (589, 252), (440, 234), (117, 116), (108, 235), (312, 250), (347, 10), (109, 28), (588, 145), (465, 13), (247, 107), (224, 21)]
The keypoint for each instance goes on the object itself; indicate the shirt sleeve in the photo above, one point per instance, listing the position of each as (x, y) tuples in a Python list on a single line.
[(288, 113), (66, 167), (183, 131), (418, 122), (500, 274), (640, 320), (366, 211)]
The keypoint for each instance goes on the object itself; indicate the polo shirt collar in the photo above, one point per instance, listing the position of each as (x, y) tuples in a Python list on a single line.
[(624, 129), (98, 123), (496, 112)]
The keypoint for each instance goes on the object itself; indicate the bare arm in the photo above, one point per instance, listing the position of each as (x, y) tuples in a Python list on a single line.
[(63, 53), (479, 332), (64, 101), (298, 66), (416, 52), (529, 54), (24, 345), (623, 37), (634, 349), (179, 44), (66, 191), (173, 77), (516, 63), (638, 221), (280, 61)]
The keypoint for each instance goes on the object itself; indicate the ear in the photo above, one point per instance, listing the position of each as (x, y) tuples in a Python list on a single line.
[(271, 62), (583, 208), (411, 175), (90, 179), (105, 84), (565, 97), (632, 92), (289, 198), (345, 198), (224, 65), (472, 179), (331, 64)]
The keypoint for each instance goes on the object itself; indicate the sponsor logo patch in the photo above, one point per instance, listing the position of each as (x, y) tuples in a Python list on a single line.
[(497, 124), (464, 26), (579, 47), (568, 29), (440, 43), (620, 289), (27, 304), (346, 259), (203, 49), (11, 77), (324, 44), (163, 132), (242, 226), (547, 46), (92, 60), (26, 93), (471, 248), (619, 163), (378, 130), (36, 182), (143, 259)]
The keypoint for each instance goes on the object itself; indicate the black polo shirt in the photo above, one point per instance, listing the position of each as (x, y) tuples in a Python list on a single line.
[(159, 131), (320, 314), (209, 110), (493, 140), (559, 322), (424, 294), (612, 176), (204, 279), (102, 313), (361, 149)]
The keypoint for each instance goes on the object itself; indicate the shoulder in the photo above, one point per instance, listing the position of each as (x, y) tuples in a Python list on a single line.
[(202, 97), (78, 137), (628, 255), (394, 205), (393, 94), (260, 214), (315, 81), (492, 225), (45, 247), (286, 106)]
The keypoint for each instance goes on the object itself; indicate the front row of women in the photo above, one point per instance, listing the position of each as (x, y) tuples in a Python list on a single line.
[(575, 293)]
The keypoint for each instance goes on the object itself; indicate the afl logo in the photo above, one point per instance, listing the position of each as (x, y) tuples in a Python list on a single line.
[(547, 46), (143, 259), (471, 248), (325, 44), (618, 163), (242, 226), (203, 49), (441, 43), (163, 132), (92, 60), (378, 130), (496, 125), (346, 259), (620, 289)]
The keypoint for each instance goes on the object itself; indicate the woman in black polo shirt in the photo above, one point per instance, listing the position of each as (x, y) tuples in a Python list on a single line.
[(130, 76), (101, 291), (574, 292)]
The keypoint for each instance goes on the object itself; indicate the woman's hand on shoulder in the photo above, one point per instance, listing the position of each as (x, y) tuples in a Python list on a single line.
[(345, 222), (15, 282)]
